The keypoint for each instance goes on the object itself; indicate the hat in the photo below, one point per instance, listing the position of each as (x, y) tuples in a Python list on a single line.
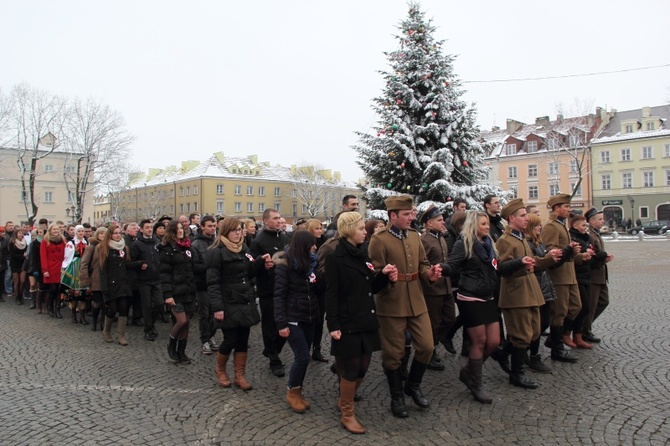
[(592, 213), (559, 199), (165, 217), (511, 207), (399, 203), (429, 213), (300, 221)]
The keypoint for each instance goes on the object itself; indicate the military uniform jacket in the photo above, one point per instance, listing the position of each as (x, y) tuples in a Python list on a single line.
[(518, 287), (404, 298), (598, 265), (556, 235), (436, 252)]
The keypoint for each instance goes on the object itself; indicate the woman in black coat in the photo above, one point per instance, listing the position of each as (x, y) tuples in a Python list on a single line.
[(296, 308), (18, 248), (582, 265), (37, 289), (352, 322), (178, 286), (230, 269), (114, 260)]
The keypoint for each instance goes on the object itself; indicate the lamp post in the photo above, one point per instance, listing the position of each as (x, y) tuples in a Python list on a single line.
[(631, 200)]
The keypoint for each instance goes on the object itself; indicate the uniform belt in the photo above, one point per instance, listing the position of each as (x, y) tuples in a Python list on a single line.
[(407, 277)]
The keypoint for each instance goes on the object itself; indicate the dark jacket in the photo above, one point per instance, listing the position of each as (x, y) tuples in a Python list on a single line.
[(582, 267), (34, 263), (450, 237), (132, 274), (114, 281), (478, 278), (89, 275), (267, 242), (541, 274), (436, 252), (497, 227), (176, 273), (598, 262), (294, 296), (350, 284), (229, 285), (16, 257), (147, 250), (200, 245)]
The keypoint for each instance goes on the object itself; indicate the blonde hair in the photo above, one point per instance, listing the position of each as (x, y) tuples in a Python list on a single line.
[(312, 224), (346, 224), (469, 232)]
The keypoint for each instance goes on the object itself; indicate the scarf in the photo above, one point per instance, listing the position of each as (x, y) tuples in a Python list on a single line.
[(183, 244), (484, 249), (55, 240), (232, 247), (119, 246), (20, 244), (360, 251)]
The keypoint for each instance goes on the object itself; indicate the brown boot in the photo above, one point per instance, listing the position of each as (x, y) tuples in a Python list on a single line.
[(107, 331), (221, 374), (580, 342), (304, 401), (567, 340), (121, 324), (240, 361), (347, 418), (294, 400)]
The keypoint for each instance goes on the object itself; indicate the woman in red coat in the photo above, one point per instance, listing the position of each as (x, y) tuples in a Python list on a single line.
[(52, 253)]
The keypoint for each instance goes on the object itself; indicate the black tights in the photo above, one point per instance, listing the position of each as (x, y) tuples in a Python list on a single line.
[(235, 339), (52, 296), (180, 323), (120, 305), (353, 368)]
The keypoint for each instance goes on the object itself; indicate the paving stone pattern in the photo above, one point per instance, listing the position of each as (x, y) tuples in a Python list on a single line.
[(60, 384)]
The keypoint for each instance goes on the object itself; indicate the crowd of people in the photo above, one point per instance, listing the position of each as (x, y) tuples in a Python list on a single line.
[(403, 287)]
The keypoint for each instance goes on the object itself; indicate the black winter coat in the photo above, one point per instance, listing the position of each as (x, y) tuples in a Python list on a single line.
[(478, 278), (350, 285), (583, 267), (114, 278), (229, 286), (147, 250), (294, 295), (267, 242), (177, 278), (199, 247), (16, 257), (542, 276), (132, 273), (497, 228), (34, 261)]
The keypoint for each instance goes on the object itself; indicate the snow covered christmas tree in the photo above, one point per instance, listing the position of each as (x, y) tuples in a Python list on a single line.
[(425, 142)]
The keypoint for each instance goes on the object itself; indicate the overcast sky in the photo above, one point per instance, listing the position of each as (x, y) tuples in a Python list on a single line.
[(291, 81)]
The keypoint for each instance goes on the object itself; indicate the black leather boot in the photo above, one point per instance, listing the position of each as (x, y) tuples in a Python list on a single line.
[(413, 384), (435, 362), (558, 352), (517, 376), (501, 356), (398, 407)]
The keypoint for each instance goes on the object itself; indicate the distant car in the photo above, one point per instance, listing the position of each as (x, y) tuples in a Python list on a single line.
[(651, 227)]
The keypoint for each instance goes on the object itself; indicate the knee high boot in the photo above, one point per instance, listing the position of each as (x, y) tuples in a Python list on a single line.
[(33, 300), (347, 417), (477, 388), (413, 384), (398, 408), (181, 351), (107, 331), (558, 352), (405, 362), (221, 362), (39, 301), (121, 326), (50, 305), (517, 377), (535, 360), (240, 364), (95, 313)]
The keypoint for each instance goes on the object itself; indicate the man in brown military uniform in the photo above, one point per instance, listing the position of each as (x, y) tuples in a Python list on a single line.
[(555, 235), (439, 297), (401, 307), (598, 290), (520, 293)]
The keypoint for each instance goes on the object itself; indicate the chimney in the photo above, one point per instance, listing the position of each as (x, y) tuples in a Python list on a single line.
[(495, 128), (559, 117), (513, 126), (542, 120), (646, 112)]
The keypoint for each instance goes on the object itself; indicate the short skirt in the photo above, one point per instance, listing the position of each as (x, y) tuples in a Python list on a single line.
[(356, 344), (475, 314)]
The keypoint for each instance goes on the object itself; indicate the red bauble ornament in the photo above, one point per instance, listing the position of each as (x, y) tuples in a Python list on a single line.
[(399, 101), (448, 199), (378, 134), (446, 83), (434, 114), (430, 74), (402, 165), (465, 163)]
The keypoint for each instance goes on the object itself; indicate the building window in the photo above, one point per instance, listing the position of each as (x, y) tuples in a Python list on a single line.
[(219, 189), (294, 193), (647, 153), (532, 170), (195, 207), (605, 156), (295, 209), (625, 154), (511, 172), (304, 208), (219, 206), (554, 190), (250, 207), (667, 177), (181, 191), (48, 197), (606, 181), (188, 190), (650, 126), (70, 197), (250, 190), (553, 169), (511, 149), (573, 166), (553, 144), (574, 141), (238, 206), (181, 208), (648, 179), (48, 168), (667, 150), (532, 193), (627, 180), (629, 128), (261, 191), (238, 189), (261, 207), (531, 146), (171, 193), (195, 190), (579, 189), (644, 212), (188, 207), (277, 206), (277, 192)]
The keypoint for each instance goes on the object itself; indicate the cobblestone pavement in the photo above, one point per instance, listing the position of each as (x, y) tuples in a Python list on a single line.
[(61, 384)]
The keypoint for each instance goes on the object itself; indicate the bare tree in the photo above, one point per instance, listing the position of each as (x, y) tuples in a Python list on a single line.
[(97, 143), (114, 183), (31, 115), (315, 189)]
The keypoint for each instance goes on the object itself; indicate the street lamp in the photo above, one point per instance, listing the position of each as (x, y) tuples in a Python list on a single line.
[(632, 209)]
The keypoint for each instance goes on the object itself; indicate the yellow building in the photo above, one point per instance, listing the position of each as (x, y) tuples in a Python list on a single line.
[(233, 186), (632, 166)]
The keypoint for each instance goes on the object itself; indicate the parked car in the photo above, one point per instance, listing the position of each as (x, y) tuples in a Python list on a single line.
[(651, 227)]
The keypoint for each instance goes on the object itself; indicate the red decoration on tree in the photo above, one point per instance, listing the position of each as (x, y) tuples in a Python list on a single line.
[(434, 114), (465, 163), (446, 83), (402, 165), (399, 101), (448, 199)]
